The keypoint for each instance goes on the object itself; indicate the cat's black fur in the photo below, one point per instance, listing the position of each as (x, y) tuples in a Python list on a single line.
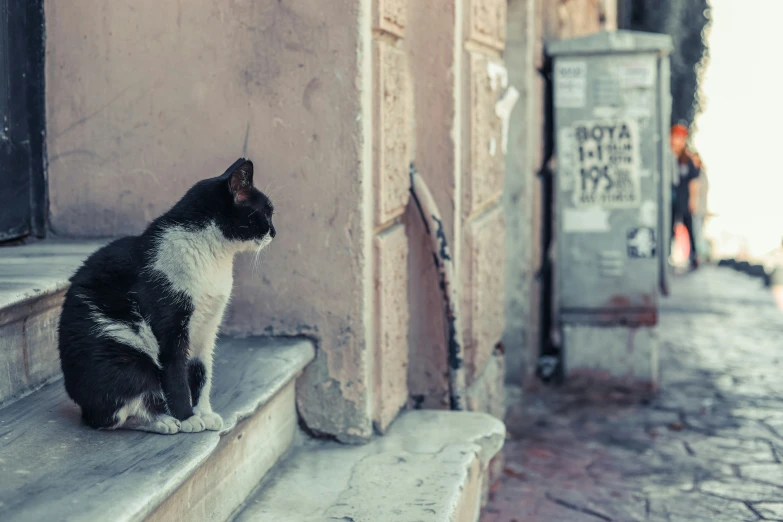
[(124, 335)]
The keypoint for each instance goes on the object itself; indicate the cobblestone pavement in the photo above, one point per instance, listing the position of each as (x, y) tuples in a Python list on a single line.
[(708, 447)]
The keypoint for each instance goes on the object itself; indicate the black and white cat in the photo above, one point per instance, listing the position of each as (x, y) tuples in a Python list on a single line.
[(139, 322)]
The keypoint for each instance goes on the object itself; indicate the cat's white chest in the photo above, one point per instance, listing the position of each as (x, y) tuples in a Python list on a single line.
[(211, 283), (196, 264), (205, 322)]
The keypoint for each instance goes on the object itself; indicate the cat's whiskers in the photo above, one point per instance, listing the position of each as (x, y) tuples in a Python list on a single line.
[(269, 186), (270, 195), (256, 272), (256, 265)]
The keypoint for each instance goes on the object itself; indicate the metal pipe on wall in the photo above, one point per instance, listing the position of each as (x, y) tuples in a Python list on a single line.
[(444, 265)]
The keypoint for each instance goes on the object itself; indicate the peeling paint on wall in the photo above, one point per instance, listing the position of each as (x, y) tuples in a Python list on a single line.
[(503, 109), (498, 75)]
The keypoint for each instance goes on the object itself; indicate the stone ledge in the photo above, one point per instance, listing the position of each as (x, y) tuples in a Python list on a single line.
[(33, 280), (429, 467), (28, 348), (56, 468), (31, 272)]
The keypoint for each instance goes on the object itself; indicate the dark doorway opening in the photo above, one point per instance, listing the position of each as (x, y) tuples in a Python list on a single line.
[(23, 203)]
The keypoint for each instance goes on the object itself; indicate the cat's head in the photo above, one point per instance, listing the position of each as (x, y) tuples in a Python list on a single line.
[(244, 213)]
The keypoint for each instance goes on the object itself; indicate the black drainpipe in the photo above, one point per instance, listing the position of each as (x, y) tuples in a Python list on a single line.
[(550, 360)]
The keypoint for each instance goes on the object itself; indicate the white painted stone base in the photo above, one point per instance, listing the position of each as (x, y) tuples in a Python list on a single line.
[(429, 467), (239, 463), (52, 467), (620, 352)]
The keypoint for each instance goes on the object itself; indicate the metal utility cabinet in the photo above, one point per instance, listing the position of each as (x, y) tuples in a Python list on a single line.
[(612, 107)]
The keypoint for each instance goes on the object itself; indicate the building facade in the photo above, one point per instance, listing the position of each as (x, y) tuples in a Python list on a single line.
[(333, 104)]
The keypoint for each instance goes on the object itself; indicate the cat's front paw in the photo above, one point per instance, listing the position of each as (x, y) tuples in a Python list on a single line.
[(194, 424), (212, 421), (165, 424)]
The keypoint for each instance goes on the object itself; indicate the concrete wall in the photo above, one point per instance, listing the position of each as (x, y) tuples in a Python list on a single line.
[(486, 99), (455, 52), (454, 49), (391, 136), (145, 98), (573, 18), (332, 103), (522, 190), (434, 61)]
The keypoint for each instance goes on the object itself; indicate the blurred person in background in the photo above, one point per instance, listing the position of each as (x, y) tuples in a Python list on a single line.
[(698, 207), (685, 188)]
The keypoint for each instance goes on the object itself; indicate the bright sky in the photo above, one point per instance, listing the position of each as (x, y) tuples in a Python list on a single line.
[(740, 136)]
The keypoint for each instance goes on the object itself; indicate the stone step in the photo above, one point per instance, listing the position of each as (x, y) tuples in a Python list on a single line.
[(55, 468), (33, 280), (429, 467)]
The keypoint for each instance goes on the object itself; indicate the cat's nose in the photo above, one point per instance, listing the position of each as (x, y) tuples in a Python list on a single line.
[(272, 231)]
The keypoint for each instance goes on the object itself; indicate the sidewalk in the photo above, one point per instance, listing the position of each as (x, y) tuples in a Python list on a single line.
[(707, 448)]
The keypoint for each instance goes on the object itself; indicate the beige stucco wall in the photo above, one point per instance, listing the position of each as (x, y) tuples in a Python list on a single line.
[(484, 104), (145, 98), (432, 29), (522, 191), (573, 18), (455, 52), (332, 101)]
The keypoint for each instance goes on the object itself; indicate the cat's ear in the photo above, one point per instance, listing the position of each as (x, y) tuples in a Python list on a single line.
[(240, 181)]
